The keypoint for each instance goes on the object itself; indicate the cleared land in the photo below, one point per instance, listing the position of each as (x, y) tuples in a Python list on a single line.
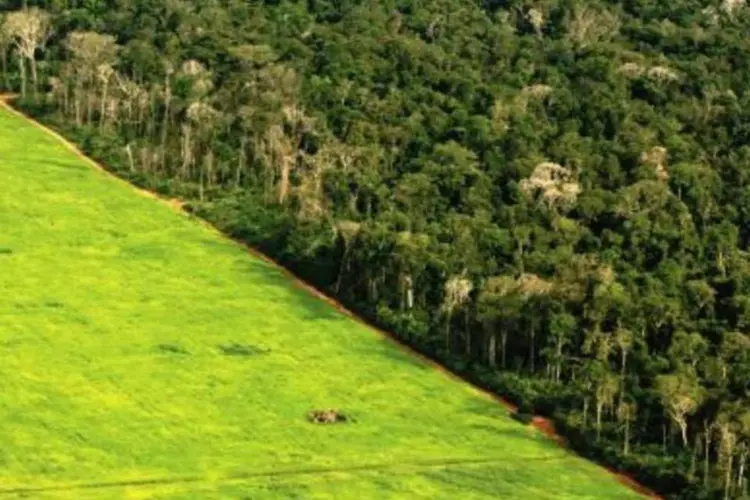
[(117, 317)]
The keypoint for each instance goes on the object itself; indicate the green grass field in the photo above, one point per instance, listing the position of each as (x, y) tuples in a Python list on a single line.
[(113, 313)]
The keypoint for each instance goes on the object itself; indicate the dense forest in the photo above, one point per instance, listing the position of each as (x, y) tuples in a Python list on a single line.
[(552, 197)]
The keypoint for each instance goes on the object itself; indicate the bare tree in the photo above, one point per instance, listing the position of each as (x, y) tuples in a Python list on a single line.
[(589, 25), (29, 30), (554, 183), (92, 57), (656, 158)]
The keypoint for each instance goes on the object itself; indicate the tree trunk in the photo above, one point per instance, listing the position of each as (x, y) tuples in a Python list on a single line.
[(78, 97), (683, 433), (626, 441), (66, 99), (599, 408), (728, 477), (504, 342), (741, 473), (448, 334), (103, 107), (241, 161), (585, 411), (694, 457), (4, 62), (165, 124), (532, 354), (186, 152), (89, 106), (129, 151), (35, 86), (623, 364), (492, 350), (706, 453), (200, 183), (337, 286), (22, 70), (286, 168)]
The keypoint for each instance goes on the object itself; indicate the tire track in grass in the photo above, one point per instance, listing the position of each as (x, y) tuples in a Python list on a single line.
[(301, 471), (544, 425)]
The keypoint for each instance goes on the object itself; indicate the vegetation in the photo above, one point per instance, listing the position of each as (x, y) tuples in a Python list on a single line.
[(549, 196), (144, 355)]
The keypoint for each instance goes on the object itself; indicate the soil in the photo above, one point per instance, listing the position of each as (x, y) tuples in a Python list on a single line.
[(542, 424)]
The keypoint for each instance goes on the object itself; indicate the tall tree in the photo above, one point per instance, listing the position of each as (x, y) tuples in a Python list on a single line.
[(29, 29)]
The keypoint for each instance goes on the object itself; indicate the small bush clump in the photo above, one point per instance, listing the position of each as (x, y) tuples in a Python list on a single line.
[(241, 350), (172, 348)]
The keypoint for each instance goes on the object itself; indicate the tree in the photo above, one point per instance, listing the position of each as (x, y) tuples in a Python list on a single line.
[(606, 389), (92, 59), (499, 306), (726, 427), (533, 290), (681, 395), (457, 294), (626, 414), (29, 29), (561, 326), (623, 339), (347, 230), (555, 185), (688, 349), (5, 43), (589, 25)]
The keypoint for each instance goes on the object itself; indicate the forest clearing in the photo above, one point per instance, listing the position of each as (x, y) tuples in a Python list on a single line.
[(146, 355)]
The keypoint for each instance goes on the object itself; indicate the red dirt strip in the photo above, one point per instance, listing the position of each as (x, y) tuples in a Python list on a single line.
[(544, 425)]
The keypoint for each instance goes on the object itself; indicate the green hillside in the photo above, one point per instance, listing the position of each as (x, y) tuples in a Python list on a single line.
[(120, 322)]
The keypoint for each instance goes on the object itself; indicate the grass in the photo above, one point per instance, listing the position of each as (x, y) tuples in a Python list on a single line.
[(144, 356)]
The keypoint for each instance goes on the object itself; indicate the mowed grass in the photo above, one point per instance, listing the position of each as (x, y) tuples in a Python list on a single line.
[(113, 313)]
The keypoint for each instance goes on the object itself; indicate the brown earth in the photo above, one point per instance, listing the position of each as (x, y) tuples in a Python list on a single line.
[(542, 424)]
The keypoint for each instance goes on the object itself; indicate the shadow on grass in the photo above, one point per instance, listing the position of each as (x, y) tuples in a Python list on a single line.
[(487, 408), (75, 166), (310, 307)]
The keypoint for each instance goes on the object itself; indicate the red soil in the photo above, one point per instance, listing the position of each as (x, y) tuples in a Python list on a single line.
[(542, 424)]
